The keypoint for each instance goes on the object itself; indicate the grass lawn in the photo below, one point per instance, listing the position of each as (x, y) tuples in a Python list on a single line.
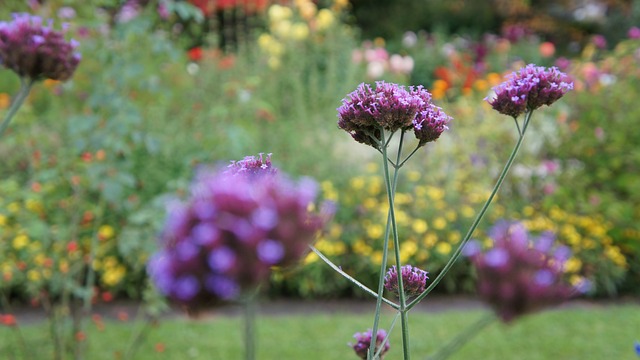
[(606, 332)]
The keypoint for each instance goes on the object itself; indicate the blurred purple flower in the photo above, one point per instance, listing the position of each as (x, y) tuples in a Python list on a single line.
[(226, 237), (599, 41), (366, 112), (517, 277), (528, 89), (634, 33), (414, 280), (37, 51), (361, 347)]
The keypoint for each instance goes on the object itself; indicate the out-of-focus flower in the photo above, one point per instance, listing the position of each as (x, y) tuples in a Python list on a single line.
[(35, 51), (599, 41), (363, 342), (547, 49), (637, 348), (163, 11), (224, 240), (414, 280), (634, 33), (528, 89), (401, 64), (366, 112), (66, 13), (518, 276), (324, 19), (129, 11), (195, 54)]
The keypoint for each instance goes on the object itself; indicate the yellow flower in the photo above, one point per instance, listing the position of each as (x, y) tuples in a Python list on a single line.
[(573, 265), (454, 237), (329, 191), (20, 241), (439, 223), (3, 220), (467, 211), (372, 167), (409, 248), (34, 206), (419, 226), (451, 215), (33, 275), (375, 231), (325, 19), (435, 193), (360, 247), (105, 232), (443, 248), (311, 258), (375, 186), (430, 240), (282, 29), (278, 13), (357, 183), (114, 275), (613, 253), (13, 208), (413, 175), (527, 211)]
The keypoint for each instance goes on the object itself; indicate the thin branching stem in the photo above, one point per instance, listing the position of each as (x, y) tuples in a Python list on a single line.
[(463, 337), (25, 88), (350, 278), (475, 223)]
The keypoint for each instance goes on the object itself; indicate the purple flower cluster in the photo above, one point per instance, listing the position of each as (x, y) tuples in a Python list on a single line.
[(366, 112), (519, 276), (414, 280), (528, 89), (253, 166), (361, 347), (37, 51), (227, 236)]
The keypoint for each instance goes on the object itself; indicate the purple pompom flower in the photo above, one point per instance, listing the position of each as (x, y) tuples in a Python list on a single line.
[(363, 343), (528, 89), (520, 276), (367, 111), (414, 280), (36, 51), (225, 238)]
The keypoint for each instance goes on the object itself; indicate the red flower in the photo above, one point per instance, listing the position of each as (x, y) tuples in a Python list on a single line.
[(8, 320), (195, 54)]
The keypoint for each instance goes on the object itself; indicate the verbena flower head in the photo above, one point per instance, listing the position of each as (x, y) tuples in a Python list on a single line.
[(231, 231), (367, 111), (363, 342), (520, 275), (528, 89), (253, 166), (414, 280), (36, 51)]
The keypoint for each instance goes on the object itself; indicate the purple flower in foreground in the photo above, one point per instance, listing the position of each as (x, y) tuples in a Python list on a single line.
[(37, 51), (367, 111), (528, 89), (520, 276), (227, 236), (414, 280), (361, 347)]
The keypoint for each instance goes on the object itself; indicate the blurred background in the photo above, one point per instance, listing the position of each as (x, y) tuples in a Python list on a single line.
[(166, 86)]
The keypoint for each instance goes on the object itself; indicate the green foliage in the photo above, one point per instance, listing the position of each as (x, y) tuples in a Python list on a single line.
[(596, 149)]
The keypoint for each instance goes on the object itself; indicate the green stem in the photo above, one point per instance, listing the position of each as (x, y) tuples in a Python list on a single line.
[(385, 247), (386, 338), (25, 88), (350, 278), (404, 320), (462, 338), (475, 223)]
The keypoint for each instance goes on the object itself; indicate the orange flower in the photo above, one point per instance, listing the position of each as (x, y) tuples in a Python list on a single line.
[(8, 320), (547, 49), (5, 100)]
